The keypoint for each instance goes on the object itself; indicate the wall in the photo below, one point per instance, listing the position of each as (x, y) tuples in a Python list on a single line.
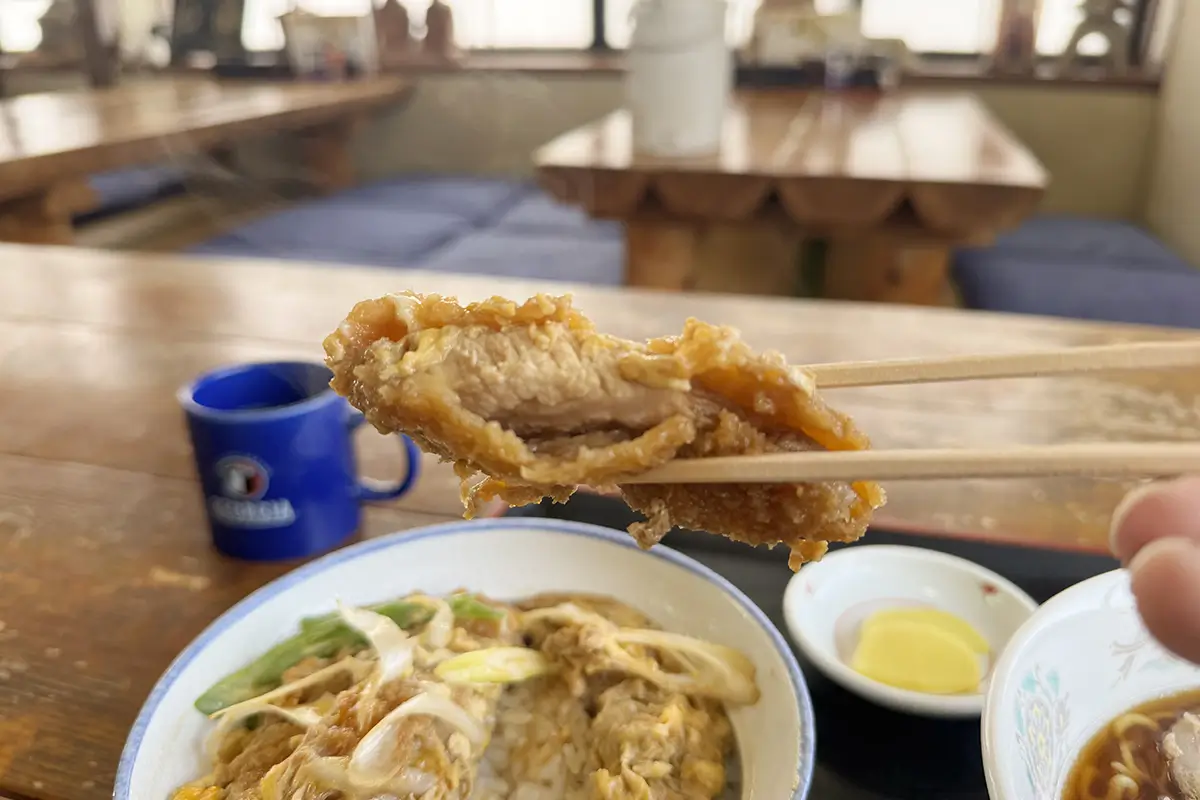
[(1094, 141), (487, 121), (1173, 206)]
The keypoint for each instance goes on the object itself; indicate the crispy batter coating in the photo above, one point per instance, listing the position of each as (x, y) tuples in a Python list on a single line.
[(539, 402)]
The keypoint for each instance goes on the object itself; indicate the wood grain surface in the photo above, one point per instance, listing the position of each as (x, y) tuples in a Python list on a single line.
[(842, 159), (57, 139), (46, 137), (105, 567), (892, 179)]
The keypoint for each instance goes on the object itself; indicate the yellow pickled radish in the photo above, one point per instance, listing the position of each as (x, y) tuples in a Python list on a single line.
[(918, 656), (951, 624)]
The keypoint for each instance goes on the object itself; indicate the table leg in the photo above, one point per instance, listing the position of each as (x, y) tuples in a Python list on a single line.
[(660, 255), (884, 269), (45, 217), (326, 153), (748, 258)]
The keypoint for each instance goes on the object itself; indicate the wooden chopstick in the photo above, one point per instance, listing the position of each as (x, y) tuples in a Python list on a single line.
[(1102, 459), (1114, 460), (1135, 355)]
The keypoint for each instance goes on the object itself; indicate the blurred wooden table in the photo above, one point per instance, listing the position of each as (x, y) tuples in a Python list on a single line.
[(50, 143), (893, 180), (105, 567)]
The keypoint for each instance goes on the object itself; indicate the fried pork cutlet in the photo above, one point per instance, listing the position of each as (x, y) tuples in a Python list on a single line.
[(539, 402)]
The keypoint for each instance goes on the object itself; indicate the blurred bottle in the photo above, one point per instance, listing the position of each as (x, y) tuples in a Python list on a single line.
[(680, 76), (844, 46), (841, 63), (439, 31), (393, 31), (1016, 39)]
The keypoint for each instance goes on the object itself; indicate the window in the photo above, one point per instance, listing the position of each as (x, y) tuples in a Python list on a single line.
[(968, 26), (478, 24), (961, 27), (261, 31), (562, 24), (618, 27), (19, 31), (1057, 23)]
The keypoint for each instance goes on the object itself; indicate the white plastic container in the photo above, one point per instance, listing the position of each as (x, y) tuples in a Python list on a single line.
[(679, 78), (307, 36)]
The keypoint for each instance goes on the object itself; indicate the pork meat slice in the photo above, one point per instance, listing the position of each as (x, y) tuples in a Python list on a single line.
[(1182, 748), (534, 398)]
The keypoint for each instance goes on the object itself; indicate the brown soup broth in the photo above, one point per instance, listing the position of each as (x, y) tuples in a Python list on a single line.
[(1131, 744)]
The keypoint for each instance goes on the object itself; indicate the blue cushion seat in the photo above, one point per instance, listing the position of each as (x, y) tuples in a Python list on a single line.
[(1100, 240), (454, 224), (541, 257), (477, 200), (539, 213), (1135, 292), (344, 232), (1082, 268), (123, 189)]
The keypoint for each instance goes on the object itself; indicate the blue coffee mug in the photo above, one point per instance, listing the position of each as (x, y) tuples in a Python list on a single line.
[(275, 454)]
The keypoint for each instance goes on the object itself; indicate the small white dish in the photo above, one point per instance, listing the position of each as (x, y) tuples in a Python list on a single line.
[(1083, 659), (504, 558), (826, 602)]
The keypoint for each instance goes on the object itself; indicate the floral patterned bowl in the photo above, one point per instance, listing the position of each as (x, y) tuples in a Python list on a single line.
[(1077, 663)]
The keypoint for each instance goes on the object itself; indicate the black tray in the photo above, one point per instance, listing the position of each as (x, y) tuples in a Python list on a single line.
[(864, 752)]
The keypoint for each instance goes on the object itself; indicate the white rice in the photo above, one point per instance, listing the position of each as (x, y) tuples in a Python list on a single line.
[(539, 748)]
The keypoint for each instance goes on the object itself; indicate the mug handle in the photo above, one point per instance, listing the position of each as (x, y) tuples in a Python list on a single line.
[(371, 490)]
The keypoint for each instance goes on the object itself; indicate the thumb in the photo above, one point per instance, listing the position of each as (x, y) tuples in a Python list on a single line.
[(1165, 577)]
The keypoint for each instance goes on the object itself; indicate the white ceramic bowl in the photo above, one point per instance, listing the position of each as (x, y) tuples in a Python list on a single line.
[(826, 602), (1079, 662), (503, 558)]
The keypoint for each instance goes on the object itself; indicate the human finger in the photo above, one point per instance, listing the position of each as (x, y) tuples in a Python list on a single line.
[(1153, 512), (1165, 578)]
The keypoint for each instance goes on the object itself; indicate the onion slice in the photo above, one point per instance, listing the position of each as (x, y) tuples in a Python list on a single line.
[(301, 716), (493, 665), (711, 670), (373, 762), (352, 665), (565, 614), (393, 647), (440, 628)]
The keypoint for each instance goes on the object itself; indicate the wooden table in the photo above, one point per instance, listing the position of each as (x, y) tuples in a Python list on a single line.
[(893, 180), (50, 143), (105, 568)]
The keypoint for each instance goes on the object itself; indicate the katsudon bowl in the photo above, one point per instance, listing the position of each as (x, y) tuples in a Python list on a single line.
[(502, 559)]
